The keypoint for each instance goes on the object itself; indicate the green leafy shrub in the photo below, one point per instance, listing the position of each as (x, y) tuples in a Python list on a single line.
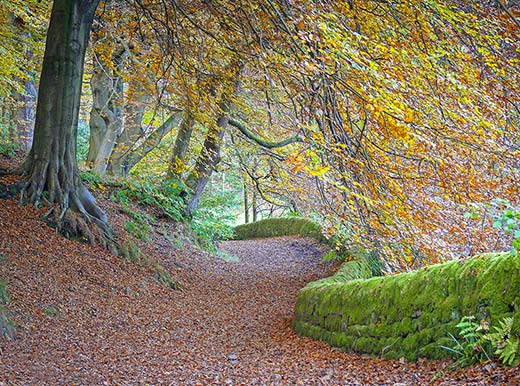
[(213, 220), (8, 149), (91, 178), (167, 198), (471, 347), (476, 343), (138, 229), (509, 221)]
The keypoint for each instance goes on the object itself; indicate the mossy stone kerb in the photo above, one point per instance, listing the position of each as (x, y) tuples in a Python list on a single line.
[(273, 227), (410, 314)]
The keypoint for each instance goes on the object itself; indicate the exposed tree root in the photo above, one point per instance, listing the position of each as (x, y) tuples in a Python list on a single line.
[(73, 210)]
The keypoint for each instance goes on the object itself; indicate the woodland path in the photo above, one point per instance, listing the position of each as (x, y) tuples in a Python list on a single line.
[(85, 317)]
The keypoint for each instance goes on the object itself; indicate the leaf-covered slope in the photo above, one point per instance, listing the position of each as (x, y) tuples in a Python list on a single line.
[(410, 314)]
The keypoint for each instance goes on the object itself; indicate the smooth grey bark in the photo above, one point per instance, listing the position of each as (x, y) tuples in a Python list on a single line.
[(131, 134), (105, 116), (24, 114), (181, 146), (51, 166), (246, 204)]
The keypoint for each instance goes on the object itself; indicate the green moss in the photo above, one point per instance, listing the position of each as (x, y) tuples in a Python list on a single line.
[(7, 327), (4, 296), (273, 227), (409, 315)]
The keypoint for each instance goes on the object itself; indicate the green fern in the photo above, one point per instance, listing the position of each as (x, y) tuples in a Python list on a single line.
[(505, 343), (471, 347)]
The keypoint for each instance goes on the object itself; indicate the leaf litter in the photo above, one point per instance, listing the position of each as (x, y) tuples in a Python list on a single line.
[(86, 317)]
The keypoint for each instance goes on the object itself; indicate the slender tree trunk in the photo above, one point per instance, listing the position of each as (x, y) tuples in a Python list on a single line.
[(210, 154), (255, 206), (51, 165), (131, 134), (246, 205), (105, 116), (206, 163), (127, 156), (181, 146)]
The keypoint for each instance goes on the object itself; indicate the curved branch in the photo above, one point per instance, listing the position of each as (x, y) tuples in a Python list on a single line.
[(260, 141)]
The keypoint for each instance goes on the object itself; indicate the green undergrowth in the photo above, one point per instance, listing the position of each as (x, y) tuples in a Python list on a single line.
[(7, 327), (273, 227), (147, 202), (213, 220), (131, 252), (409, 314)]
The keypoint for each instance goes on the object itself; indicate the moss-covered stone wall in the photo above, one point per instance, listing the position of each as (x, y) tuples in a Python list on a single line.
[(273, 227), (410, 314)]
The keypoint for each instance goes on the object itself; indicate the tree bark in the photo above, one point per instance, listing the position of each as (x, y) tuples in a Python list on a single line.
[(206, 163), (128, 155), (51, 169), (210, 154), (24, 114), (246, 204), (105, 116), (132, 132), (181, 146)]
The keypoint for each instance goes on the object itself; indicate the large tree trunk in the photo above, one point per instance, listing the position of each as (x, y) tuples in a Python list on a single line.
[(51, 166), (105, 116)]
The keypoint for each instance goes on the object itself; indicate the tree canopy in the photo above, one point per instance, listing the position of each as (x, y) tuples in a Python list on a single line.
[(386, 121)]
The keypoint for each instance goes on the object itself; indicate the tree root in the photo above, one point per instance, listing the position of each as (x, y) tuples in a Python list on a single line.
[(75, 225), (73, 210)]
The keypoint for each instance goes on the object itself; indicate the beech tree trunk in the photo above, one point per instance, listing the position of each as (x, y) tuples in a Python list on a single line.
[(24, 114), (210, 154), (105, 116), (51, 169), (132, 150), (181, 146), (206, 163), (128, 139)]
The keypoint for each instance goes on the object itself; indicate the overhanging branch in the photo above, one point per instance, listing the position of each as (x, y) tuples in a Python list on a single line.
[(260, 141)]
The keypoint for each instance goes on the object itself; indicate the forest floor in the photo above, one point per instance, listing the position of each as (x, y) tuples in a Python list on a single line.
[(86, 317)]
